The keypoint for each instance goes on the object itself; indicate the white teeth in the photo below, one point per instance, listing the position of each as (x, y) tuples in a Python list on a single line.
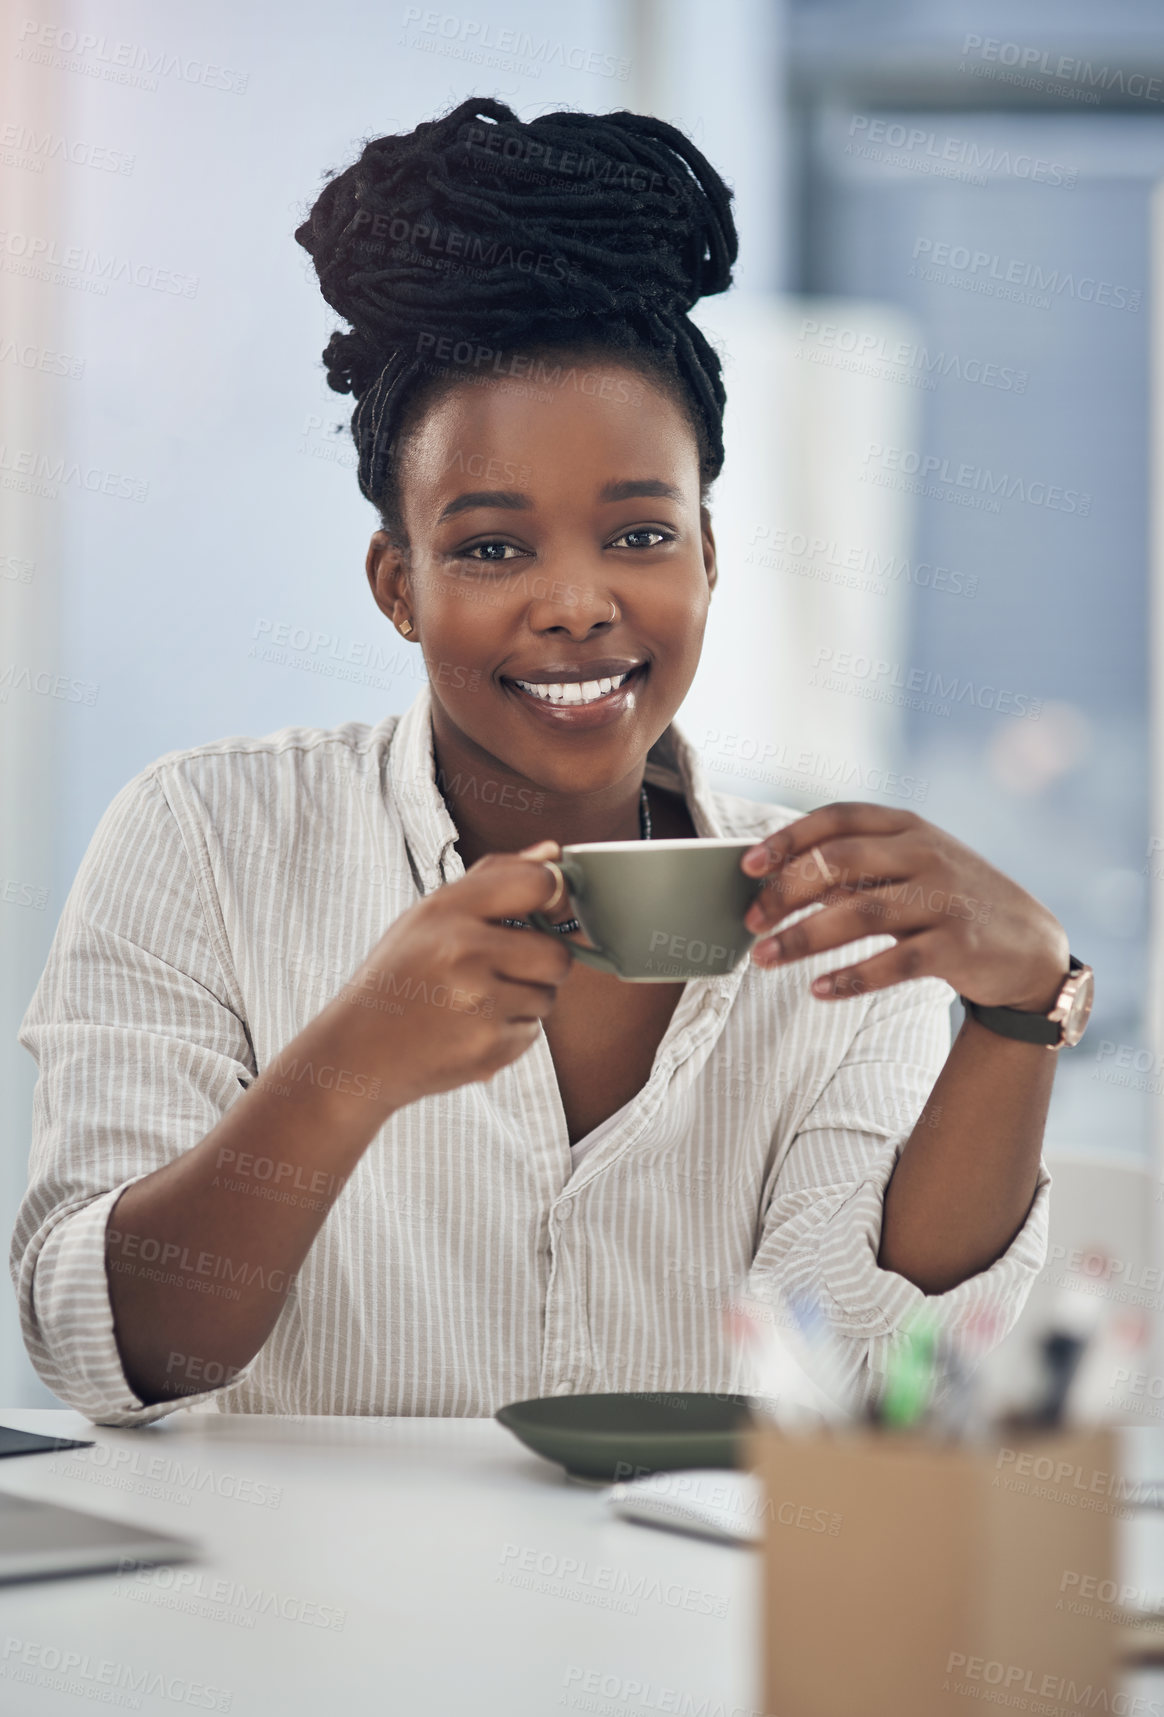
[(574, 691)]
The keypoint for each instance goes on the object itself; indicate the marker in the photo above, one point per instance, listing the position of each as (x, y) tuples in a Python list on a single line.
[(909, 1382)]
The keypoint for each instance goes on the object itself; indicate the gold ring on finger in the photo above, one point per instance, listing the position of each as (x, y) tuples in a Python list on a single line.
[(822, 866), (559, 891)]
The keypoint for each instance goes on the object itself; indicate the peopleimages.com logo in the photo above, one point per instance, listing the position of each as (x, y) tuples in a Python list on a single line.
[(38, 257), (1032, 67), (934, 469), (68, 49), (1014, 277), (917, 149), (503, 49), (861, 351), (890, 682)]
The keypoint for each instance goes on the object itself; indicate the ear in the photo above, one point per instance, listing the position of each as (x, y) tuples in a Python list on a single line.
[(708, 540), (387, 571)]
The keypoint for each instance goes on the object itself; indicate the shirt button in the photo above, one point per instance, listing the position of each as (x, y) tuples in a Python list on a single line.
[(563, 1388), (566, 1211)]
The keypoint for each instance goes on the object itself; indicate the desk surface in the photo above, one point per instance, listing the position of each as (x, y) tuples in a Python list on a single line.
[(359, 1565), (387, 1565)]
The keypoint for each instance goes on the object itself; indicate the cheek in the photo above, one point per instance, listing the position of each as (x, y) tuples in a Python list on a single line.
[(461, 662), (459, 650), (682, 613), (439, 593), (455, 611)]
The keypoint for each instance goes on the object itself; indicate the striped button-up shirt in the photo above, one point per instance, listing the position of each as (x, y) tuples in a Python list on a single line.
[(230, 890)]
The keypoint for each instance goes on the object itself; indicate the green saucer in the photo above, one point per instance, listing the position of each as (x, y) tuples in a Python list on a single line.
[(611, 1437)]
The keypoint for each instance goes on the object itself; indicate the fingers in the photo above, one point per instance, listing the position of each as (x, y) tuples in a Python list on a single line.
[(517, 1003), (869, 912), (512, 1042), (847, 817), (913, 957), (856, 863), (524, 956), (508, 885)]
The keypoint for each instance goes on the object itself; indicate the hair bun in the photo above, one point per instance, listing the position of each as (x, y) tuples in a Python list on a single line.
[(482, 225)]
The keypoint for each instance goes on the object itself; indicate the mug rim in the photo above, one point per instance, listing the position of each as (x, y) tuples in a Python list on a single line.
[(674, 843)]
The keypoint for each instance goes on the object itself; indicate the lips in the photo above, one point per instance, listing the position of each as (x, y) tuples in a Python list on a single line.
[(596, 668), (573, 691), (562, 706), (585, 683)]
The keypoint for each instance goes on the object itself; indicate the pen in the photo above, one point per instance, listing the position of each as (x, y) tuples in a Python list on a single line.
[(1077, 1317), (909, 1379)]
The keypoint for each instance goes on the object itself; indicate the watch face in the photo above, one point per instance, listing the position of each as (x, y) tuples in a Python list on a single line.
[(1080, 1010)]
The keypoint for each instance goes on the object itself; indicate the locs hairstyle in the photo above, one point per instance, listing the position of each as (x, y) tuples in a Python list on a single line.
[(479, 238)]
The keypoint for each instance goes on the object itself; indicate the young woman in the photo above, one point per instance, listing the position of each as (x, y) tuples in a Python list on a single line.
[(323, 1124)]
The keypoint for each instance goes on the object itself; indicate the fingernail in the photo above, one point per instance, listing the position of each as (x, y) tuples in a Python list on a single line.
[(755, 860), (537, 849)]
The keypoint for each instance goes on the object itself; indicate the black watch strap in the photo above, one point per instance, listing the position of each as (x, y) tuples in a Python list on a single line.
[(1013, 1022)]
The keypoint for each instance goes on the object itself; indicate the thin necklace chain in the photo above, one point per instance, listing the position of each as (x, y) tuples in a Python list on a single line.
[(569, 925)]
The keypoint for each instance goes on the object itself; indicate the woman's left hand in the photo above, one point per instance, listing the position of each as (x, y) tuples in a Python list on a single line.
[(954, 916)]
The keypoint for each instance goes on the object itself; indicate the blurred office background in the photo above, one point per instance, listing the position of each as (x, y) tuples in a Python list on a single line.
[(938, 356)]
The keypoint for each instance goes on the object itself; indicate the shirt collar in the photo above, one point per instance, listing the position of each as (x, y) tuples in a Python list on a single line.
[(430, 832)]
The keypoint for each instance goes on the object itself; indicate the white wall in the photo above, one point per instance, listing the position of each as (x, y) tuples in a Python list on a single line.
[(792, 519)]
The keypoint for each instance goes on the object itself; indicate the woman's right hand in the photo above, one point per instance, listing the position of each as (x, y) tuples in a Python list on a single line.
[(447, 997)]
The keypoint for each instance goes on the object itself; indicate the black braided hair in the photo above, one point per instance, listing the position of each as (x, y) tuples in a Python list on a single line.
[(479, 236)]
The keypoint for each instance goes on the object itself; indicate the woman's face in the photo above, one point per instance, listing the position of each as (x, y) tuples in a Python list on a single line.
[(556, 538)]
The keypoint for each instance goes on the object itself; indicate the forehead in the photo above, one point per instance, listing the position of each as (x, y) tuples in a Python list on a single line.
[(567, 422)]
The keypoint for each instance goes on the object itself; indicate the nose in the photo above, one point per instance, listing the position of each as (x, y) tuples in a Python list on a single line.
[(576, 609)]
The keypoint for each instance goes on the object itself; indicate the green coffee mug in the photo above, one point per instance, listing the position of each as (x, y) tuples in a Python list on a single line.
[(657, 912)]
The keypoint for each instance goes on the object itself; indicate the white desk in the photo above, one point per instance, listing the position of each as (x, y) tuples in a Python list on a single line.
[(376, 1566), (410, 1534)]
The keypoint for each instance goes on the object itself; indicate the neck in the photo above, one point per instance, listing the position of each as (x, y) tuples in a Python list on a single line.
[(498, 811)]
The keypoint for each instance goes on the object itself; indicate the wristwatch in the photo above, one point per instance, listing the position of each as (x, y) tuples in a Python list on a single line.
[(1065, 1024)]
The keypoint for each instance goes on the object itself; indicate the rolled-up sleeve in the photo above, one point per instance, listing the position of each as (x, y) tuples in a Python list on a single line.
[(822, 1228), (141, 1046)]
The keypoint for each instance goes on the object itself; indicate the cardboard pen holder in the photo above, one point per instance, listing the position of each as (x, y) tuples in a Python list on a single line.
[(907, 1578)]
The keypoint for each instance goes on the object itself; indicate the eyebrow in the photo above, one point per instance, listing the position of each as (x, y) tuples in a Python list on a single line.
[(509, 498), (513, 500), (650, 487)]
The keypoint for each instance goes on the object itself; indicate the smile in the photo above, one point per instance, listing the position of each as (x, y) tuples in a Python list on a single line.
[(580, 704), (574, 691)]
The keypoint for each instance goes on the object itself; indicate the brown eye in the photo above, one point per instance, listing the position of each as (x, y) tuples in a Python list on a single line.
[(483, 551), (644, 531)]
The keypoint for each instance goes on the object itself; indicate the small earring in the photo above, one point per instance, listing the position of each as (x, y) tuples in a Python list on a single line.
[(405, 628)]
